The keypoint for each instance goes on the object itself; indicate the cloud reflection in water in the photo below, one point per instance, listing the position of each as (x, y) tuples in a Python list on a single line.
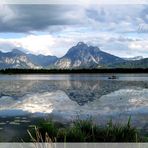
[(38, 103), (117, 102)]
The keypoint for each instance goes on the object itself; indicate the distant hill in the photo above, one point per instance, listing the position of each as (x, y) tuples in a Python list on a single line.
[(134, 58), (143, 63)]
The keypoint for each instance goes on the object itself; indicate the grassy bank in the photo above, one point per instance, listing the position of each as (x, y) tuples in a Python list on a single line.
[(86, 131)]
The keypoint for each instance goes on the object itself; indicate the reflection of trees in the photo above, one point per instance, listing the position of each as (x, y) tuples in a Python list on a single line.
[(81, 91)]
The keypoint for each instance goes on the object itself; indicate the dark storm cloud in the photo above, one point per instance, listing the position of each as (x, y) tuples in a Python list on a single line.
[(25, 18)]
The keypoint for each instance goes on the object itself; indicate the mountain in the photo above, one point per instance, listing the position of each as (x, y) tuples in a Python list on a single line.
[(15, 59), (44, 61), (85, 56), (19, 59), (79, 56)]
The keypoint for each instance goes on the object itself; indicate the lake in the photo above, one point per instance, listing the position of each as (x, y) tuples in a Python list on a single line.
[(24, 99)]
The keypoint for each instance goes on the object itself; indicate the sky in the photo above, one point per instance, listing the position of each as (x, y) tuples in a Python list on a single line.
[(52, 29)]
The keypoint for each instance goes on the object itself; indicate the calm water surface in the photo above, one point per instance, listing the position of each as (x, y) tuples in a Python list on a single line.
[(25, 98)]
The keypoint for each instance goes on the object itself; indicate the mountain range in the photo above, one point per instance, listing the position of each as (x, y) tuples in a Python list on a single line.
[(79, 56)]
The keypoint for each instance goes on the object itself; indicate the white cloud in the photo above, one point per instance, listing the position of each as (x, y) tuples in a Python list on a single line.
[(40, 44), (36, 44), (139, 46)]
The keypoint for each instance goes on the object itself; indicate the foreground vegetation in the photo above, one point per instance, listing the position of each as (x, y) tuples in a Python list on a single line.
[(64, 71), (86, 131)]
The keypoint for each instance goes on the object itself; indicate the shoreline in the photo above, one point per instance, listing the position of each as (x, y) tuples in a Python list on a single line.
[(74, 71)]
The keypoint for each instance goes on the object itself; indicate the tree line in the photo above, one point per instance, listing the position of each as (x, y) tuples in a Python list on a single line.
[(64, 71)]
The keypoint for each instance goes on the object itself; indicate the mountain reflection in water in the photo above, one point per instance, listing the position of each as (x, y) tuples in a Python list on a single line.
[(73, 96)]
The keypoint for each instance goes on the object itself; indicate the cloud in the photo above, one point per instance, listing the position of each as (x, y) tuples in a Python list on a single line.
[(26, 18), (6, 46), (53, 29), (127, 47), (38, 44), (58, 45), (144, 14), (31, 43), (117, 18)]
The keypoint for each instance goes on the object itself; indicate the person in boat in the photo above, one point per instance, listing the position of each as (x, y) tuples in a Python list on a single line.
[(112, 77)]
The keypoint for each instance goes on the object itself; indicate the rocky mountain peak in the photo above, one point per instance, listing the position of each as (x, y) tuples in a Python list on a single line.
[(85, 56), (81, 44)]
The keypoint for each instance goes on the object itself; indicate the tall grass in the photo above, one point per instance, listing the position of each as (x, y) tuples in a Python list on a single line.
[(85, 131)]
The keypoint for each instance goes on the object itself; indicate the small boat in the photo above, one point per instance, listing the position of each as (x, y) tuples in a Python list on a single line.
[(112, 77)]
